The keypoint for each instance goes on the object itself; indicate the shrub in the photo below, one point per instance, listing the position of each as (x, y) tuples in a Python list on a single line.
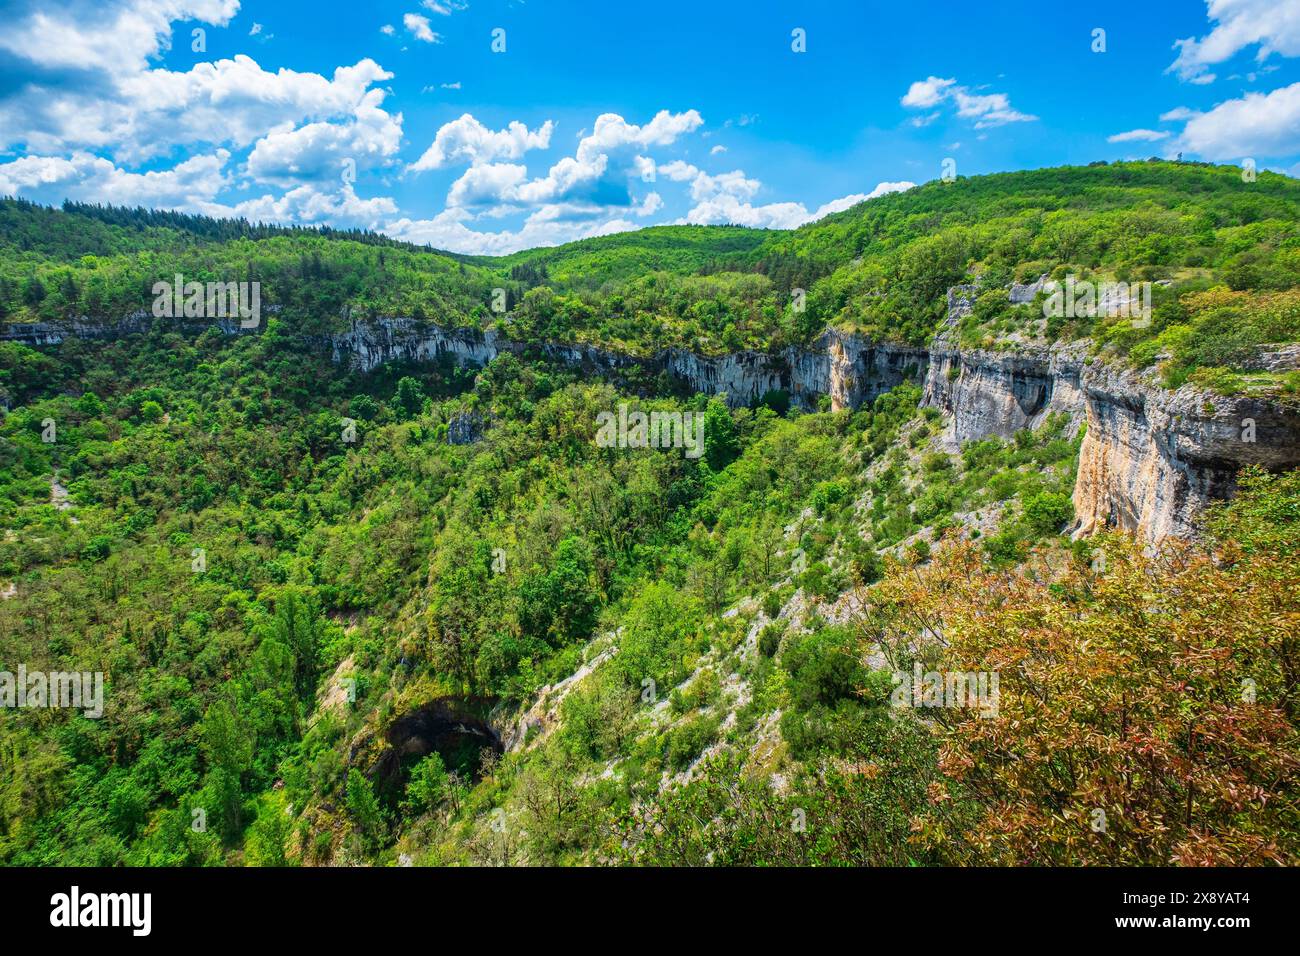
[(689, 738), (867, 566), (769, 638), (1047, 511), (823, 666), (773, 601), (826, 495)]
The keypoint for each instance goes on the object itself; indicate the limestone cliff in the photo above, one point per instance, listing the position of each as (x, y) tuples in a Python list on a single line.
[(999, 393), (1151, 459), (846, 367)]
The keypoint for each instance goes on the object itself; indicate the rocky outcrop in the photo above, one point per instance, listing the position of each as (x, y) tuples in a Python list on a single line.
[(851, 370), (1000, 393), (744, 377), (466, 428), (369, 344), (43, 334), (1151, 459), (39, 334), (847, 367)]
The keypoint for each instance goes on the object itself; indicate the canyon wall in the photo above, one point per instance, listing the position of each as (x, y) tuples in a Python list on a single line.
[(44, 334), (848, 368), (1151, 458)]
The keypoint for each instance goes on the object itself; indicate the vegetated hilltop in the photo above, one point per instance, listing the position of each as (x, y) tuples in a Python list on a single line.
[(459, 630), (592, 263), (882, 268)]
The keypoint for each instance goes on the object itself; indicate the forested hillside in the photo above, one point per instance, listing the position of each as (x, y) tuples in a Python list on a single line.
[(882, 268), (421, 614)]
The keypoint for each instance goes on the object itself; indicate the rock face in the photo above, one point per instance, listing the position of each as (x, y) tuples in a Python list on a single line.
[(367, 345), (851, 370), (743, 377), (39, 334), (1151, 459), (1000, 393), (846, 367), (466, 428)]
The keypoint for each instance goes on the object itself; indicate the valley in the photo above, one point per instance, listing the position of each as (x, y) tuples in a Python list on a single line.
[(366, 585)]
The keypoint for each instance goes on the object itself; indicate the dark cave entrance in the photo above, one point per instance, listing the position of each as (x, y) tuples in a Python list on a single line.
[(456, 728)]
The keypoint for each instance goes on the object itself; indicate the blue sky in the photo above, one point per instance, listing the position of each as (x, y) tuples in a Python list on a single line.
[(600, 117)]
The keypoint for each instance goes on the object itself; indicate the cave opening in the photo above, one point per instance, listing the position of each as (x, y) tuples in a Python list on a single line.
[(458, 729)]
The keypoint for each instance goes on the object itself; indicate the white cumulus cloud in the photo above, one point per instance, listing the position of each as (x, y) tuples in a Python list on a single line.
[(448, 230), (86, 86), (928, 92), (985, 109), (323, 150), (466, 140), (116, 37), (598, 174), (725, 198), (189, 186), (1273, 26), (1257, 124), (586, 194), (1138, 136), (309, 204)]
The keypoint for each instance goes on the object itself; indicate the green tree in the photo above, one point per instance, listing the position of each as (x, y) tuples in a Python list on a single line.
[(428, 785), (268, 833), (1047, 511), (299, 626), (364, 808), (560, 604), (721, 438), (410, 396)]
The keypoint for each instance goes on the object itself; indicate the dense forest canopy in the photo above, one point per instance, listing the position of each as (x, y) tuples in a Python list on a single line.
[(882, 267)]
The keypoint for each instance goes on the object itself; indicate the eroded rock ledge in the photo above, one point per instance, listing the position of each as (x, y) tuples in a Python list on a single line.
[(1151, 460)]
